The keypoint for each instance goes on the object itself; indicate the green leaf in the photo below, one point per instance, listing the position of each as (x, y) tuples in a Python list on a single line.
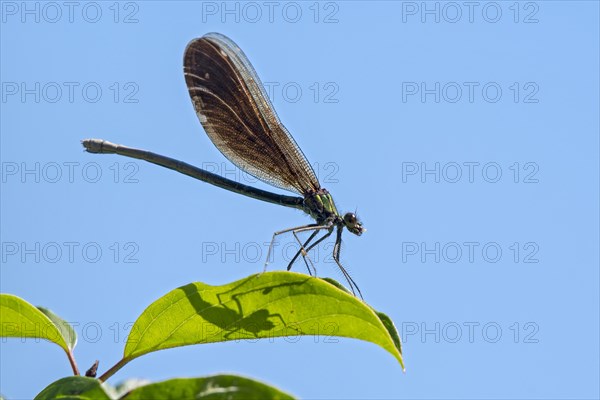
[(385, 320), (63, 326), (20, 319), (74, 387), (216, 387), (267, 305), (124, 387), (336, 284), (391, 328)]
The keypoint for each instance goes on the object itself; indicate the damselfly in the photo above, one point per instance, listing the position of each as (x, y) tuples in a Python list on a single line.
[(238, 117)]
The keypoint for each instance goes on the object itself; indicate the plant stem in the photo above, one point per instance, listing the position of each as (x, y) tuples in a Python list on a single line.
[(72, 362), (113, 369)]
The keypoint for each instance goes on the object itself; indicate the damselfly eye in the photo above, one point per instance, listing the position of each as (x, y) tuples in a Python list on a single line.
[(353, 224), (349, 218)]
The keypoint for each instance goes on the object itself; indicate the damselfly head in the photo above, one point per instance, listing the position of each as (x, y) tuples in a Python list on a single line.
[(353, 224)]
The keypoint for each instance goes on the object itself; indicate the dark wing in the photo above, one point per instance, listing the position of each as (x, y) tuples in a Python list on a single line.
[(237, 115)]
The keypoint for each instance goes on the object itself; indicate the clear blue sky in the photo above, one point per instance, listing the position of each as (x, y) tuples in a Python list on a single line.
[(465, 136)]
